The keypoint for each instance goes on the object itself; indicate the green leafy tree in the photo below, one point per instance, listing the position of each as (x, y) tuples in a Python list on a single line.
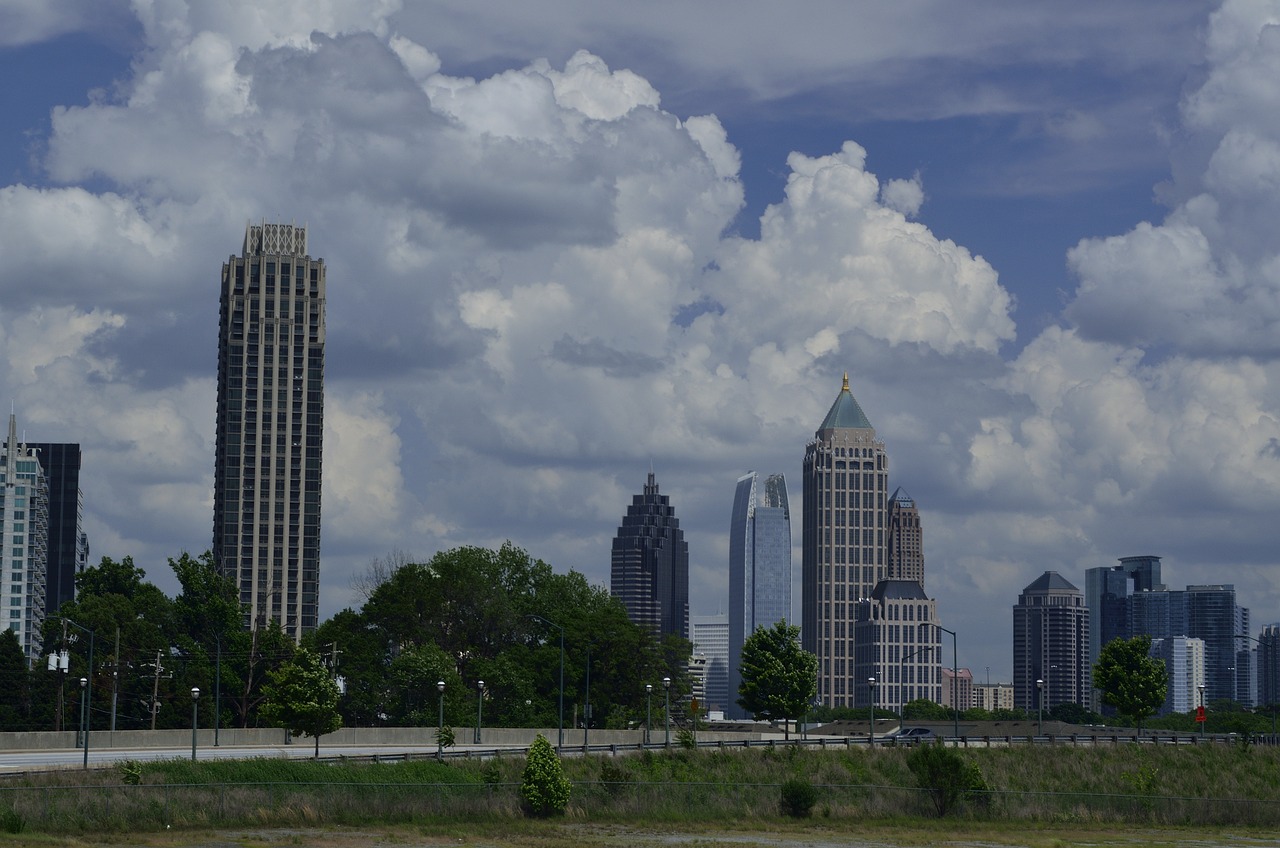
[(779, 678), (922, 709), (1072, 713), (302, 697), (1131, 680), (544, 789), (15, 690)]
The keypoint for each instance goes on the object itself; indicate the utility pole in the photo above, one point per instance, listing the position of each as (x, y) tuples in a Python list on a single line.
[(155, 691), (115, 680)]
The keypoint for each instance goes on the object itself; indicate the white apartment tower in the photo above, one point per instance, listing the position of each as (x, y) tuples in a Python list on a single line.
[(24, 526), (266, 501)]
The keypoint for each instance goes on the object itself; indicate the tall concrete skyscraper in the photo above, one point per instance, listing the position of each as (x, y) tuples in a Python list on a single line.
[(68, 544), (1107, 595), (24, 554), (266, 497), (649, 570), (846, 476), (905, 557), (1050, 644), (759, 567)]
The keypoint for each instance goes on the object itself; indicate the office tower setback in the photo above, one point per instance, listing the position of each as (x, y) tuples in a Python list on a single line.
[(1050, 644), (846, 474), (24, 526), (1214, 616), (897, 642), (711, 641), (649, 571), (759, 567), (68, 545), (266, 499), (905, 557)]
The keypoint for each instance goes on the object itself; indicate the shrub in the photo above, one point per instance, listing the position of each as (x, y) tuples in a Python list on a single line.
[(614, 776), (131, 772), (544, 788), (947, 776), (686, 738), (797, 798), (12, 821), (444, 737)]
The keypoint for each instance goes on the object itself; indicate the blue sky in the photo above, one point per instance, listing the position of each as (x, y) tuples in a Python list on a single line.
[(571, 242)]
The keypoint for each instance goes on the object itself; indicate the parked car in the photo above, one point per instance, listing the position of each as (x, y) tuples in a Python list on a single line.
[(914, 734)]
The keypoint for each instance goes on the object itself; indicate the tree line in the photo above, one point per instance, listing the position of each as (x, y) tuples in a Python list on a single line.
[(466, 615)]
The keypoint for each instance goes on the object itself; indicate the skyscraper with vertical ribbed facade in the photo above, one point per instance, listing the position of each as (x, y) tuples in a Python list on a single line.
[(649, 569), (266, 499), (905, 558), (846, 474), (759, 567), (1050, 644)]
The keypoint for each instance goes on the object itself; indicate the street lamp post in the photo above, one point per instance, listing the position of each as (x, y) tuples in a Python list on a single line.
[(440, 726), (195, 719), (1040, 704), (479, 708), (1206, 716), (955, 679), (84, 689), (871, 689), (586, 709), (666, 684), (648, 712), (560, 736)]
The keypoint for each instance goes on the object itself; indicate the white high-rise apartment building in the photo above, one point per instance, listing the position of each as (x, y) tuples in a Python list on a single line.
[(24, 527), (266, 498), (711, 641), (1184, 659)]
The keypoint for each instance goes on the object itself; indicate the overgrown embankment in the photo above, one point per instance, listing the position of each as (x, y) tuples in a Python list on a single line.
[(1126, 783)]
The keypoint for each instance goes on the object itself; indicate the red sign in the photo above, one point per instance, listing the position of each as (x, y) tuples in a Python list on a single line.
[(1200, 714)]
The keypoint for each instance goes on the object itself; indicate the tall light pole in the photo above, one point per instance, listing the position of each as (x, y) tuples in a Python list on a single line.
[(479, 708), (560, 739), (1040, 704), (666, 684), (648, 711), (586, 718), (195, 719), (440, 726), (1206, 715), (84, 690), (955, 679), (871, 689)]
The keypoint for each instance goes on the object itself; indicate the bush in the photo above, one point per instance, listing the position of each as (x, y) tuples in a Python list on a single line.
[(948, 776), (131, 772), (445, 737), (544, 789), (12, 821), (614, 777), (797, 798)]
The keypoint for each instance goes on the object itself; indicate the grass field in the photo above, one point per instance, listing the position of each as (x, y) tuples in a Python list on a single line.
[(1039, 796)]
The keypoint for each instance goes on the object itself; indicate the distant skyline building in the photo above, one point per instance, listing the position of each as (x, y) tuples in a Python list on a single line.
[(897, 642), (1183, 658), (993, 696), (68, 545), (711, 640), (845, 480), (24, 555), (759, 568), (1107, 592), (270, 426), (649, 568), (961, 683), (1268, 655), (1050, 644), (905, 557)]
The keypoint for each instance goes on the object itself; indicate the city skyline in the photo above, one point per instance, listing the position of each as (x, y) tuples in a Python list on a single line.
[(577, 245)]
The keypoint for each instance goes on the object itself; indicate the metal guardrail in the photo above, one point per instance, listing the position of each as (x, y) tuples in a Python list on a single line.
[(823, 743)]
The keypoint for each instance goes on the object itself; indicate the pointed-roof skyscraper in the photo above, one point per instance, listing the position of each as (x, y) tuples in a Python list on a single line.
[(846, 475), (649, 568)]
